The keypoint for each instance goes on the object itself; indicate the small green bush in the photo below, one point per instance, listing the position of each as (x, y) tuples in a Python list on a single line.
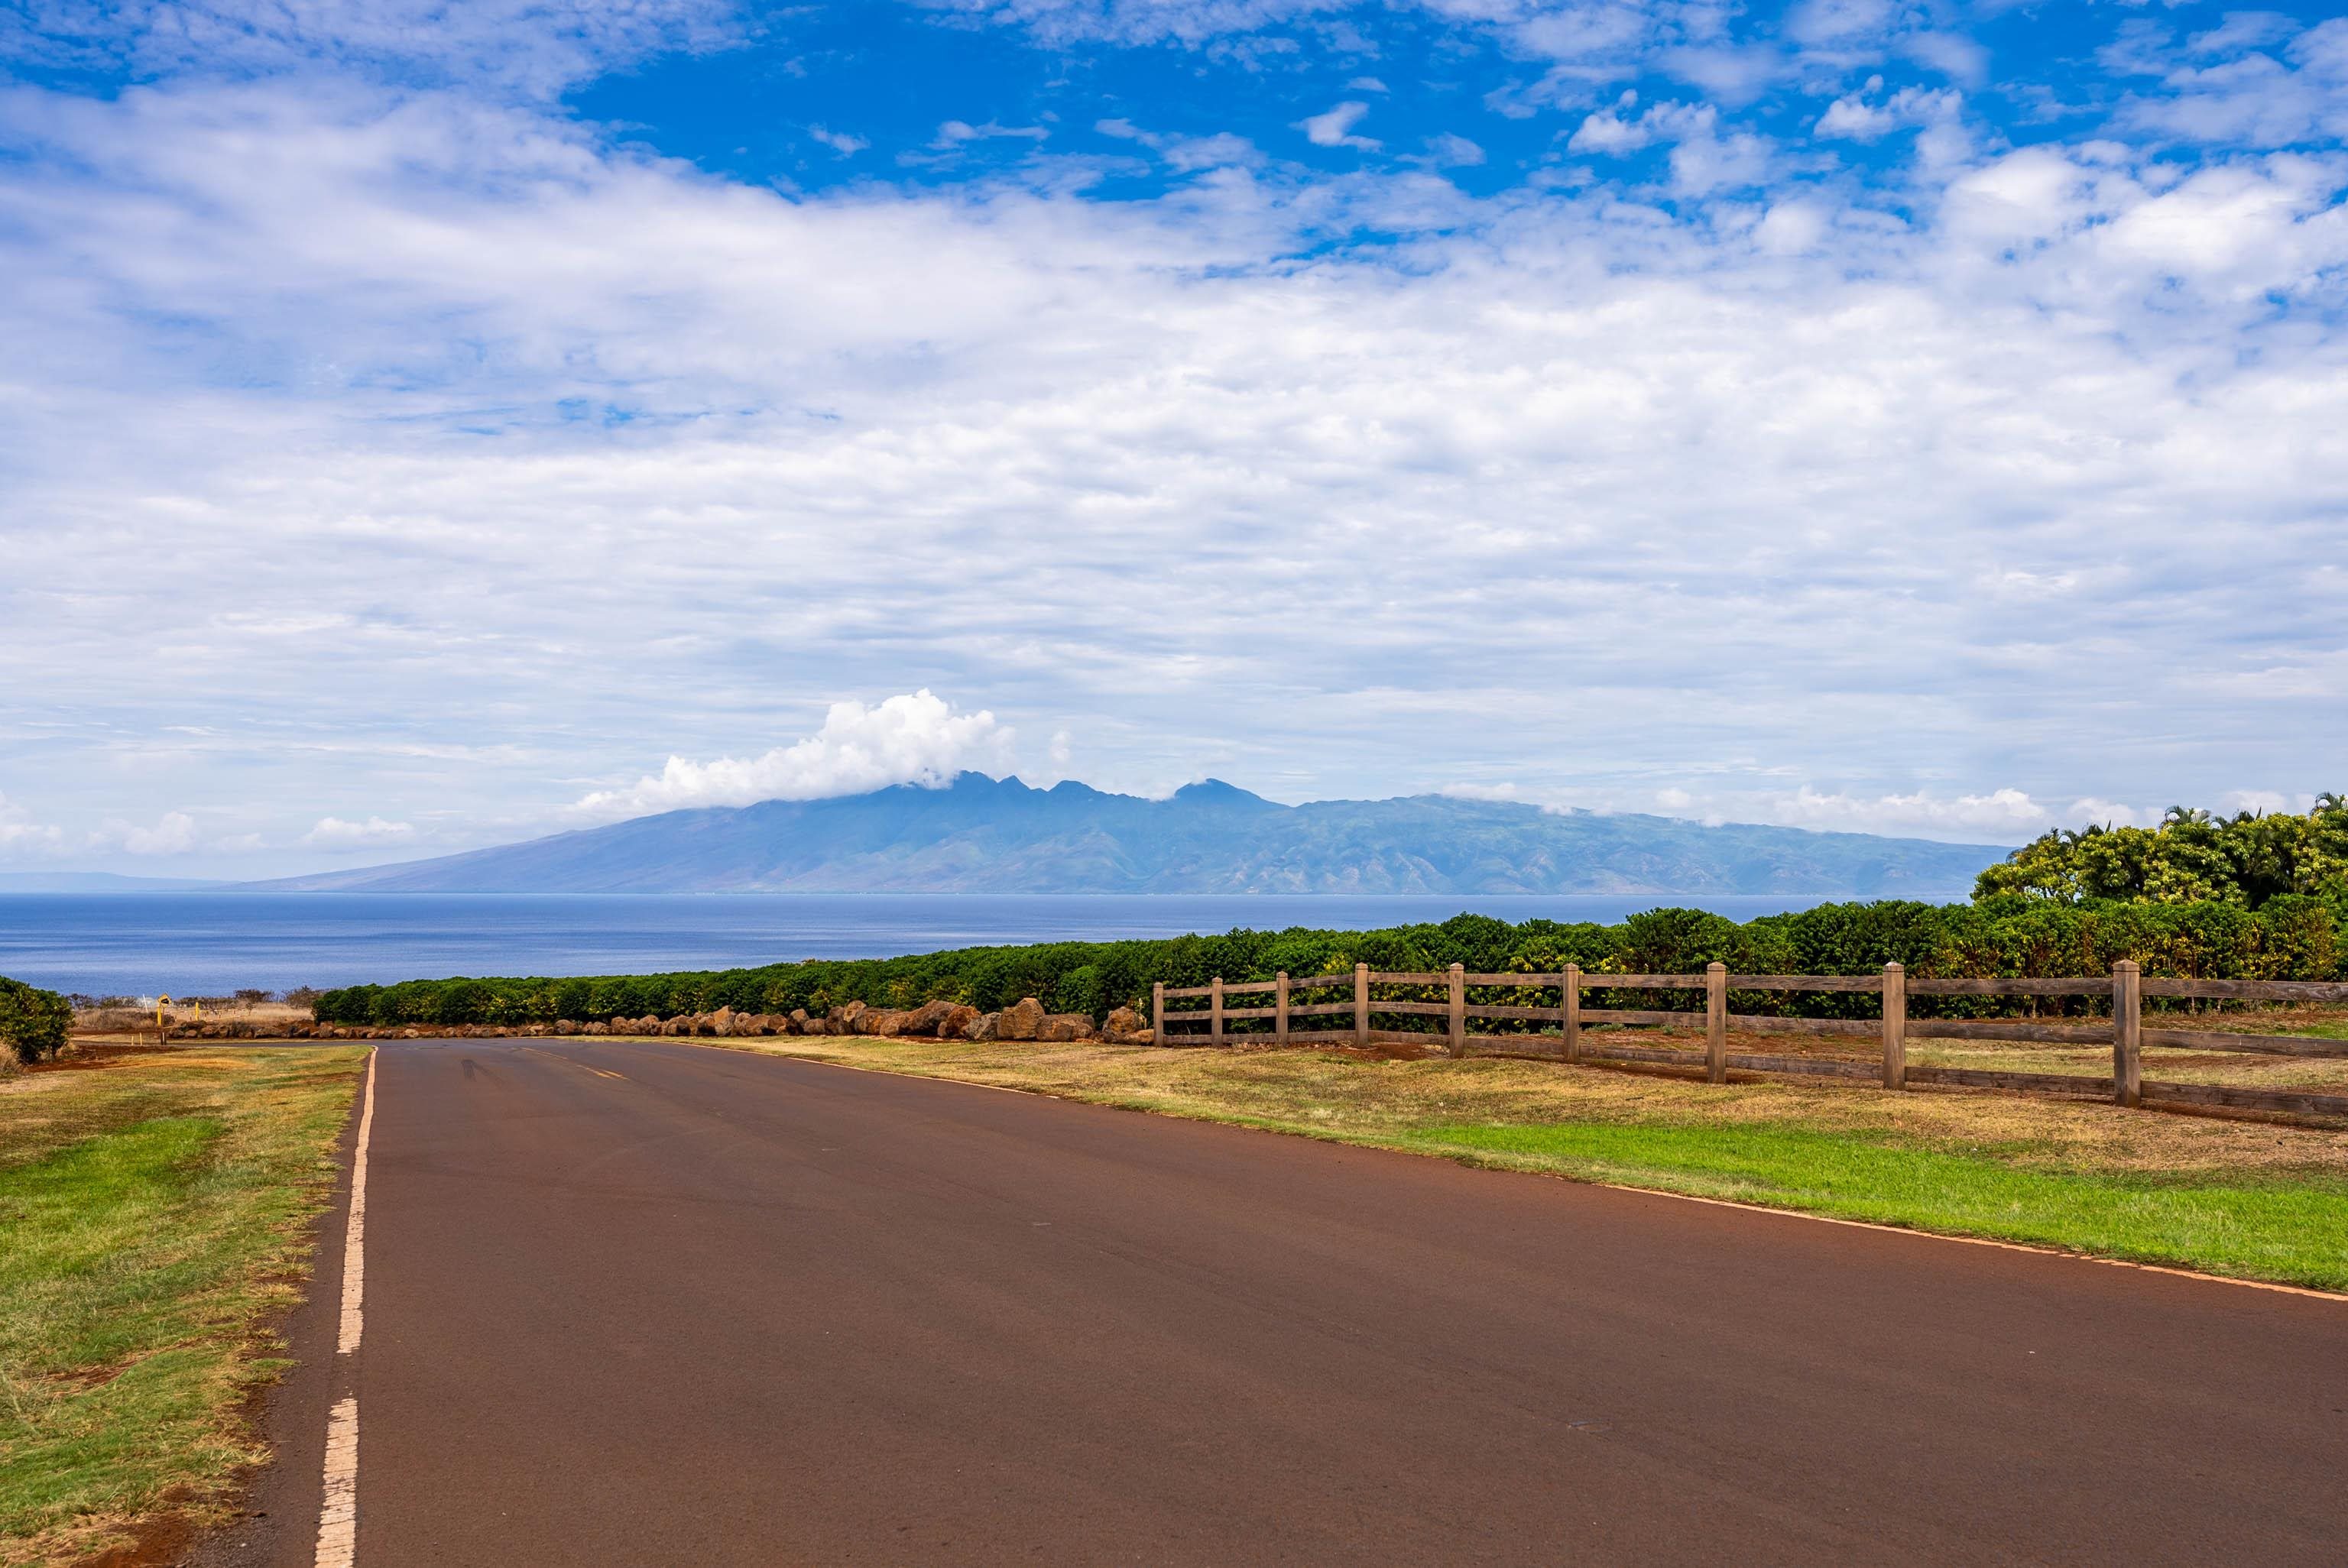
[(32, 1021)]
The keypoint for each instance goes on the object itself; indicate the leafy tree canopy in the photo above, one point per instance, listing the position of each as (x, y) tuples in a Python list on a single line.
[(2192, 857)]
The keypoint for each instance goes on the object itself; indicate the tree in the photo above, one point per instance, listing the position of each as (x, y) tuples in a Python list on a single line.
[(2192, 857), (32, 1021)]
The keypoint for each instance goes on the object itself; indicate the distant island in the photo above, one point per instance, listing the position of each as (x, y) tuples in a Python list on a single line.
[(981, 835)]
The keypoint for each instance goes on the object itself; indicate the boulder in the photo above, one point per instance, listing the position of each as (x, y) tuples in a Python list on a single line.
[(1122, 1025), (723, 1022), (957, 1023), (926, 1018), (1020, 1020), (844, 1017), (983, 1026), (800, 1020), (1061, 1027), (566, 1026)]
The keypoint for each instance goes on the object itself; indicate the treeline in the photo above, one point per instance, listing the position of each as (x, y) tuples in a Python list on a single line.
[(32, 1021), (2192, 857), (2286, 937)]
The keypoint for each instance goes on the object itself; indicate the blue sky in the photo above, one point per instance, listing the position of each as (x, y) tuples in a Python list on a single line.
[(424, 426)]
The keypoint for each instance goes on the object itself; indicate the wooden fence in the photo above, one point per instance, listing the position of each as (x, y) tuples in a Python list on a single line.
[(2126, 989)]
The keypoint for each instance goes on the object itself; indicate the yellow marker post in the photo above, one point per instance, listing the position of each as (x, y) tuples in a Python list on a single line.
[(161, 1003)]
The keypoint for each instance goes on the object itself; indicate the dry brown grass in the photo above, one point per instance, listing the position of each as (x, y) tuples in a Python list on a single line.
[(1338, 1092), (2254, 1200)]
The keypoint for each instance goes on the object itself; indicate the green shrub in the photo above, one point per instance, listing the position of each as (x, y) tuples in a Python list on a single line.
[(2286, 937), (32, 1021)]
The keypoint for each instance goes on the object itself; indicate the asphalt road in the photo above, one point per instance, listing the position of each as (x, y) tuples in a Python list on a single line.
[(660, 1304)]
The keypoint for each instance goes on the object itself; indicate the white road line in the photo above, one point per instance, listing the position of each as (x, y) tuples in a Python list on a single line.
[(354, 1237), (338, 1515), (338, 1520)]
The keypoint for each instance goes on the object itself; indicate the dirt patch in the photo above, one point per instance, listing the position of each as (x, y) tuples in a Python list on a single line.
[(158, 1541)]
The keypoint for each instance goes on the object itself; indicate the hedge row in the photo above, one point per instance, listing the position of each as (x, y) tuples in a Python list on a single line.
[(2291, 937), (32, 1021)]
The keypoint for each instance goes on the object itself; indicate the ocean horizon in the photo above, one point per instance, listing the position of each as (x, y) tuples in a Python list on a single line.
[(213, 943)]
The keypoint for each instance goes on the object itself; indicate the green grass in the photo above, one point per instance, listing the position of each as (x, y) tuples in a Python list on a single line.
[(152, 1220), (2293, 1230), (2247, 1198)]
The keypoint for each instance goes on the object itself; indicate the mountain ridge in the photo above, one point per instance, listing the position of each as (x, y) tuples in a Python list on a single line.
[(977, 834)]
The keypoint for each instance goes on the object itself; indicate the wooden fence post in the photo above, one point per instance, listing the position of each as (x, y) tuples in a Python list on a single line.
[(1572, 1012), (1215, 1001), (1895, 1027), (1279, 1007), (1716, 1023), (1459, 1009), (2127, 1033), (1158, 1013), (1362, 1006)]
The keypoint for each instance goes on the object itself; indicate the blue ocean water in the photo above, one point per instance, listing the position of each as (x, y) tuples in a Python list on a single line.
[(183, 943)]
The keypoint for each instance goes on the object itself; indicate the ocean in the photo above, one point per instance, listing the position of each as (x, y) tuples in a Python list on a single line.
[(210, 944)]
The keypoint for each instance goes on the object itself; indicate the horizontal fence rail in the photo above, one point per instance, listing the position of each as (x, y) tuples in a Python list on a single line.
[(2123, 1029)]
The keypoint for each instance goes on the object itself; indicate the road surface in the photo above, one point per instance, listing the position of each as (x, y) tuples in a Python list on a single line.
[(644, 1303)]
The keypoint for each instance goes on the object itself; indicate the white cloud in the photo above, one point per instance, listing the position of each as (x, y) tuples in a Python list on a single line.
[(1821, 21), (1954, 56), (20, 834), (334, 832), (955, 132), (173, 834), (915, 739), (1185, 154), (1492, 792), (1334, 128), (1860, 117), (1999, 815), (2093, 812), (1452, 151), (846, 144), (1613, 131)]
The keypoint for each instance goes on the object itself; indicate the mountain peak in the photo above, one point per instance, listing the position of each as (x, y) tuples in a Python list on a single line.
[(1215, 791)]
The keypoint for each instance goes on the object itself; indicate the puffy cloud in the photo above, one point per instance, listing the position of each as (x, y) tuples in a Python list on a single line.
[(334, 832), (914, 739), (174, 832), (2093, 812), (21, 836), (1615, 132), (2000, 816), (1858, 117)]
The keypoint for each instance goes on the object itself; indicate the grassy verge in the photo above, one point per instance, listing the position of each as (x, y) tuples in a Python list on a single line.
[(153, 1211), (2249, 1199)]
